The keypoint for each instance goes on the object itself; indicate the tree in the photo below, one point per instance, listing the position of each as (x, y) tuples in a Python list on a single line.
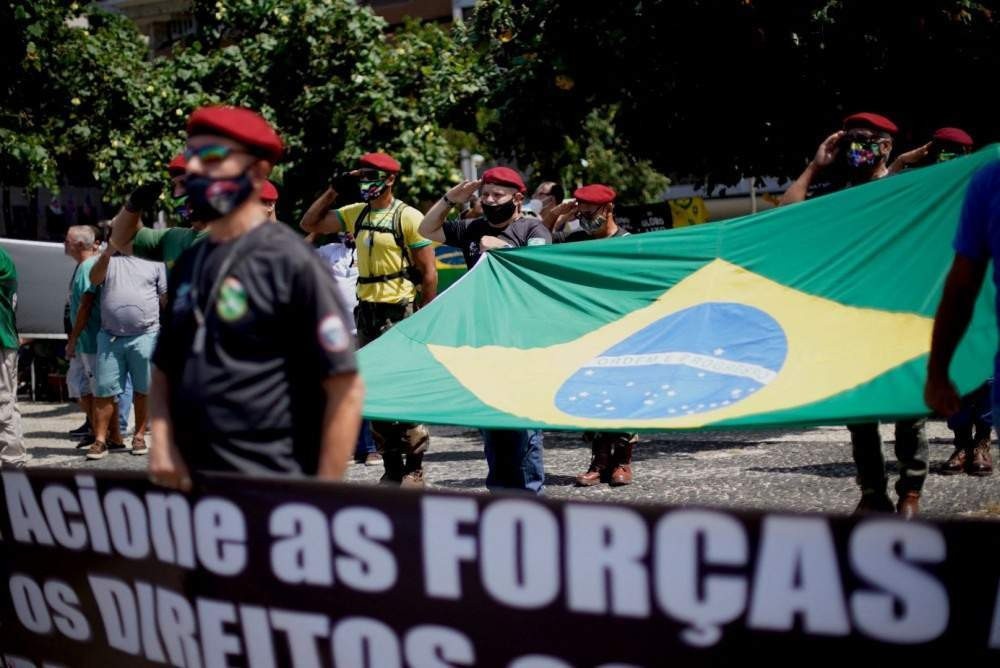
[(703, 89), (535, 117), (598, 155), (337, 85), (327, 74), (725, 88), (62, 86)]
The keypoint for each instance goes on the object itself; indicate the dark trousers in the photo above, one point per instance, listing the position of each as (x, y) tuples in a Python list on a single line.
[(393, 438), (514, 457), (911, 452), (366, 442), (976, 413)]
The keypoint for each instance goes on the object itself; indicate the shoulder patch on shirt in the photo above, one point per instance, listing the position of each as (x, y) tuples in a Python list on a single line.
[(535, 241), (332, 334), (232, 302)]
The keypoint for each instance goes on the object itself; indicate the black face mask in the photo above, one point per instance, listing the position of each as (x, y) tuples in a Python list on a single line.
[(210, 198), (591, 223), (499, 213)]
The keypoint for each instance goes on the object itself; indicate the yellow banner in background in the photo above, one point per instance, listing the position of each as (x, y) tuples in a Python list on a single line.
[(687, 211)]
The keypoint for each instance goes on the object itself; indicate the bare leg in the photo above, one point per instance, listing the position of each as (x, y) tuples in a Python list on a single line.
[(115, 426), (104, 410), (104, 419), (141, 413), (87, 404)]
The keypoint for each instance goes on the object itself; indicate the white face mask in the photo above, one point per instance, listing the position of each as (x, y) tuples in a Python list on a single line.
[(534, 205)]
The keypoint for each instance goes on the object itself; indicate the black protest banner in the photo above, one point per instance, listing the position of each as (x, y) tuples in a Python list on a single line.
[(107, 570), (636, 218)]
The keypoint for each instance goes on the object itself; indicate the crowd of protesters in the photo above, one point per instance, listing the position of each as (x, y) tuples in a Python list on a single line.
[(206, 359)]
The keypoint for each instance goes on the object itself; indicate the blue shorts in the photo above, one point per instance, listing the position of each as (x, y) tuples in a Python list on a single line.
[(120, 356)]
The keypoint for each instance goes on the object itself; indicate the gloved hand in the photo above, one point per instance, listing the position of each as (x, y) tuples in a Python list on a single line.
[(143, 197), (342, 181)]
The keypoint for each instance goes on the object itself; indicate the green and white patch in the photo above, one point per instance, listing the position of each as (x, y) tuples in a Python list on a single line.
[(232, 302)]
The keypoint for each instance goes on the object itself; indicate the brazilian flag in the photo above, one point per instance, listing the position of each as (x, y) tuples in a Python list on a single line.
[(816, 313), (450, 265)]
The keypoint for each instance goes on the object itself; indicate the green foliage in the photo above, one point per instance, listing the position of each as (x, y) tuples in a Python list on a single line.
[(325, 73), (625, 95), (599, 156), (726, 89), (61, 99), (539, 115)]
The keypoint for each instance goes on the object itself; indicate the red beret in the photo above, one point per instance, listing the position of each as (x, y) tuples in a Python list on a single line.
[(269, 193), (382, 161), (504, 176), (239, 124), (177, 165), (953, 135), (873, 121), (595, 193)]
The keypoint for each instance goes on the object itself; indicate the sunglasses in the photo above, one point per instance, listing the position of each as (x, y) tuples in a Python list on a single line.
[(368, 174), (210, 153), (864, 145)]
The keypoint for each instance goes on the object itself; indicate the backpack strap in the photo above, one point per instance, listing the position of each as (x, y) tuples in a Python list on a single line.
[(397, 235)]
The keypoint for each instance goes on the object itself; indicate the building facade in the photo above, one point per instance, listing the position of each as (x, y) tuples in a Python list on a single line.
[(165, 22)]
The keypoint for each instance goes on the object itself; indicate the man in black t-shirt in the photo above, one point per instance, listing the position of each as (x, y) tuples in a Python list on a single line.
[(514, 456), (254, 368), (502, 225)]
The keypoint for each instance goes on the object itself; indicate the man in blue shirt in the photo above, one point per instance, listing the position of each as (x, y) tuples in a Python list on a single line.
[(85, 319), (976, 243)]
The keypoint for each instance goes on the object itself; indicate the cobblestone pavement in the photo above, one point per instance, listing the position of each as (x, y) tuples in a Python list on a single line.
[(799, 470)]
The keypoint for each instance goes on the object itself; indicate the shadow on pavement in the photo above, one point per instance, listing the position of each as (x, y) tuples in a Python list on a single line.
[(454, 456), (828, 470), (460, 483), (56, 435), (37, 452), (56, 411)]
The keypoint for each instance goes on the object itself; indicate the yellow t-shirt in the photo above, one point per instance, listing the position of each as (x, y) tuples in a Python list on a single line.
[(378, 254)]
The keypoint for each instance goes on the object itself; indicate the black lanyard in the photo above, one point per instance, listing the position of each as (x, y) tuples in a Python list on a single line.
[(232, 257)]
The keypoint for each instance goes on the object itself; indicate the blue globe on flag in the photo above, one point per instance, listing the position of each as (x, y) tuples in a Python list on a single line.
[(699, 359)]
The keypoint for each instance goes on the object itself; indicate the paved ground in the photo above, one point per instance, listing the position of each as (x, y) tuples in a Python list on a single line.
[(807, 470)]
